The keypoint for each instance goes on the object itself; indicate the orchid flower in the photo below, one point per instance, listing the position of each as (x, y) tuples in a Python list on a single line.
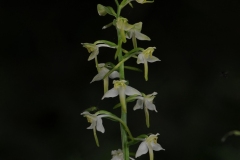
[(121, 89), (135, 32), (149, 145), (96, 123), (147, 102), (103, 70), (94, 49), (122, 25), (118, 155), (145, 57)]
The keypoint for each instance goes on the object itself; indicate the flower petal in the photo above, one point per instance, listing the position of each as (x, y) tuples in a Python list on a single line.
[(140, 58), (114, 74), (142, 149), (153, 59), (131, 91), (100, 65), (93, 55), (141, 36), (150, 106), (156, 146), (85, 112), (93, 125), (103, 45), (139, 105), (100, 75), (100, 127), (111, 93)]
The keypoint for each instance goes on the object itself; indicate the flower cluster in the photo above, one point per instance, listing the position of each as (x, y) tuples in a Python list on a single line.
[(121, 87)]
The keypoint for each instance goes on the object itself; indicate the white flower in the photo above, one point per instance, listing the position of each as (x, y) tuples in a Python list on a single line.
[(93, 49), (118, 155), (103, 71), (136, 32), (95, 120), (146, 101), (96, 123), (121, 89), (149, 145), (145, 57)]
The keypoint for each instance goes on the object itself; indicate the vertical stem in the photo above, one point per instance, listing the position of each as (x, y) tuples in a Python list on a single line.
[(122, 77)]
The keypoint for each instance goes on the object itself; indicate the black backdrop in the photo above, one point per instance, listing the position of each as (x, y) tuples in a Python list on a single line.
[(45, 75)]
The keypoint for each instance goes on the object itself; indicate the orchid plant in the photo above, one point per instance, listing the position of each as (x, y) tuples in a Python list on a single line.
[(121, 87)]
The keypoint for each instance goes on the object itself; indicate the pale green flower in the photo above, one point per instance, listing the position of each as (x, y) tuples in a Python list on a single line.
[(93, 49), (121, 89), (145, 57), (147, 102), (118, 155), (122, 25), (96, 123), (135, 31), (149, 144)]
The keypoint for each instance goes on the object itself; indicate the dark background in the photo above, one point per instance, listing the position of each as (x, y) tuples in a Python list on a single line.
[(45, 75)]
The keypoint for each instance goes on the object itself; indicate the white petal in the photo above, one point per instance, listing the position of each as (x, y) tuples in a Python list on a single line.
[(142, 149), (140, 58), (103, 45), (110, 93), (141, 36), (114, 74), (100, 65), (93, 55), (85, 112), (153, 59), (156, 146), (131, 91), (131, 158), (100, 127), (153, 94), (100, 75), (150, 106), (93, 125), (129, 34), (139, 104)]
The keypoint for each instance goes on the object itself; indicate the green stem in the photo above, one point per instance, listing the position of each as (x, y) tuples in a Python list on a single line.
[(124, 139)]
